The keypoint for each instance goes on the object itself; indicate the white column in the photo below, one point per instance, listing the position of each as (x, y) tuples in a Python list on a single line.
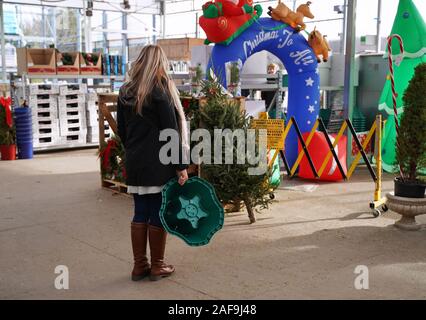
[(87, 30), (379, 22), (164, 19), (3, 44), (349, 89)]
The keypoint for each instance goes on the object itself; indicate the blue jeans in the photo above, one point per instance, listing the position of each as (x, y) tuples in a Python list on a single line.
[(147, 209)]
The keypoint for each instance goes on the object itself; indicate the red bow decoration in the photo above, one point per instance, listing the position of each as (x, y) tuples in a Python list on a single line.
[(6, 104), (186, 103), (106, 153)]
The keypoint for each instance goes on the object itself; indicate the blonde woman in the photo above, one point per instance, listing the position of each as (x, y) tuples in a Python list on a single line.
[(148, 103)]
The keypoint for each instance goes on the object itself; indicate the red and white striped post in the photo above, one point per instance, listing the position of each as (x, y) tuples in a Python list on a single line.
[(392, 78)]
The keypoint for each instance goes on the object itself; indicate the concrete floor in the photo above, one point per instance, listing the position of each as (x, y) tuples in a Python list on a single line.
[(53, 212)]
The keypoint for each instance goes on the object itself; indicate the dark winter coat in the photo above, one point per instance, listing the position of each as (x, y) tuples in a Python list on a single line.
[(140, 136)]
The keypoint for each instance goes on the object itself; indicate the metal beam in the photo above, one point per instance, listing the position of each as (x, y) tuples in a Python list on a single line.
[(379, 21), (87, 31), (350, 59), (163, 15), (197, 31), (154, 27), (97, 5), (344, 24), (43, 27), (53, 26), (125, 39), (79, 35), (104, 33)]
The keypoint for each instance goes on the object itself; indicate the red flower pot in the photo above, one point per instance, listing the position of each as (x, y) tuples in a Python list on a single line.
[(8, 152)]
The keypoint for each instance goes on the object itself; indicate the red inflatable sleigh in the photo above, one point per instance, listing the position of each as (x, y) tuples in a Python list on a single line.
[(225, 29)]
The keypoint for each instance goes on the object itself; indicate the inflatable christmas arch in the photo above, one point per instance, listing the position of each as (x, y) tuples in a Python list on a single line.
[(296, 55)]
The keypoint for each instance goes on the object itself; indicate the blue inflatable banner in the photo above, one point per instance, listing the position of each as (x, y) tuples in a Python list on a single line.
[(299, 60)]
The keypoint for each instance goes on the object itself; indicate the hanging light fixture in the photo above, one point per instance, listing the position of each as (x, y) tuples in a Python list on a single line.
[(125, 5), (89, 9), (339, 9)]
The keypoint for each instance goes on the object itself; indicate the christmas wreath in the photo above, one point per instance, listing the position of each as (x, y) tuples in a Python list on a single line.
[(112, 156)]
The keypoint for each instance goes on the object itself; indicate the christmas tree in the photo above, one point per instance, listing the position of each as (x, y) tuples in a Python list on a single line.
[(232, 182), (410, 25)]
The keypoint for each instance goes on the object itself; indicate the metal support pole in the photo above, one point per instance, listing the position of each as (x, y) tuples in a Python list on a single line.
[(125, 38), (163, 12), (197, 31), (43, 25), (87, 31), (378, 151), (378, 200), (294, 5), (379, 21), (89, 34), (3, 44), (104, 34), (87, 37), (154, 27), (344, 25), (349, 89), (279, 111), (53, 25), (78, 24)]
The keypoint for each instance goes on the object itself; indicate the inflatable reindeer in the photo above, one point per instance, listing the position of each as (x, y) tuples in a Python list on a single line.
[(319, 44), (293, 19)]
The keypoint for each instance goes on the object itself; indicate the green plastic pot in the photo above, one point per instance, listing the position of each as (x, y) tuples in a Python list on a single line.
[(191, 212)]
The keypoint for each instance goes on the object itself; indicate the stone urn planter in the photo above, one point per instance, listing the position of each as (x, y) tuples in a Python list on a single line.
[(409, 208)]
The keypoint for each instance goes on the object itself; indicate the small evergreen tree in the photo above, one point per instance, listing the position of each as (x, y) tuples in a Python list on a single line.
[(411, 149), (232, 182), (197, 74), (235, 73)]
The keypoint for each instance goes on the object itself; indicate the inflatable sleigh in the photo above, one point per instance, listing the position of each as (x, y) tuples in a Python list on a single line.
[(221, 26)]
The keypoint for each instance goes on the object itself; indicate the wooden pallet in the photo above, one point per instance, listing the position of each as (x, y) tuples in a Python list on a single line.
[(115, 186), (107, 103)]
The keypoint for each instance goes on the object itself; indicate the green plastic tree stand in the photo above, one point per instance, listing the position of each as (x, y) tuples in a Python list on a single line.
[(191, 212)]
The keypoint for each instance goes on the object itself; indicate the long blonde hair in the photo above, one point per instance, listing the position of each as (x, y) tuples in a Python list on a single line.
[(148, 71)]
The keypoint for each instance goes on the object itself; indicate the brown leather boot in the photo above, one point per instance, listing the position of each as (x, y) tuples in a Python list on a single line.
[(157, 244), (139, 234)]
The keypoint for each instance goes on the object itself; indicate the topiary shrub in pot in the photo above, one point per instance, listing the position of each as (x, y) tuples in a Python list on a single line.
[(408, 198), (411, 141)]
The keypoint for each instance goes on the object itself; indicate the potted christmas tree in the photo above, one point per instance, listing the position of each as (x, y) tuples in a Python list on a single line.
[(411, 141), (409, 194), (7, 131), (232, 181)]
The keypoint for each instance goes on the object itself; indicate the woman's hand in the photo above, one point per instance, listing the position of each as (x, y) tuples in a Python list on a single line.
[(182, 177)]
